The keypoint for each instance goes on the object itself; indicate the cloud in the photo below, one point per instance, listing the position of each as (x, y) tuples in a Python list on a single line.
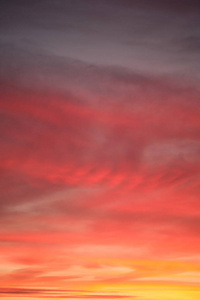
[(111, 134), (99, 145), (123, 33), (54, 293), (46, 293)]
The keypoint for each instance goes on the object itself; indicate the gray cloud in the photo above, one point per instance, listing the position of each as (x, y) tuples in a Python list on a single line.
[(132, 34)]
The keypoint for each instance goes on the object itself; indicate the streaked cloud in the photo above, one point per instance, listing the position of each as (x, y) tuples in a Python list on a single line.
[(100, 126)]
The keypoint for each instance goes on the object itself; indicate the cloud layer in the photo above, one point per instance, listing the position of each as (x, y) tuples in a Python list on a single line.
[(99, 150)]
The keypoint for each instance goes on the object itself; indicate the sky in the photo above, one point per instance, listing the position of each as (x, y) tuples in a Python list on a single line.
[(100, 149)]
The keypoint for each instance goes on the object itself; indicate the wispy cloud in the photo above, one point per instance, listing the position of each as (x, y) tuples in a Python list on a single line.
[(99, 149)]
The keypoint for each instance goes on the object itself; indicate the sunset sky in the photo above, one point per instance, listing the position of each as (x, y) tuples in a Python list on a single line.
[(100, 149)]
